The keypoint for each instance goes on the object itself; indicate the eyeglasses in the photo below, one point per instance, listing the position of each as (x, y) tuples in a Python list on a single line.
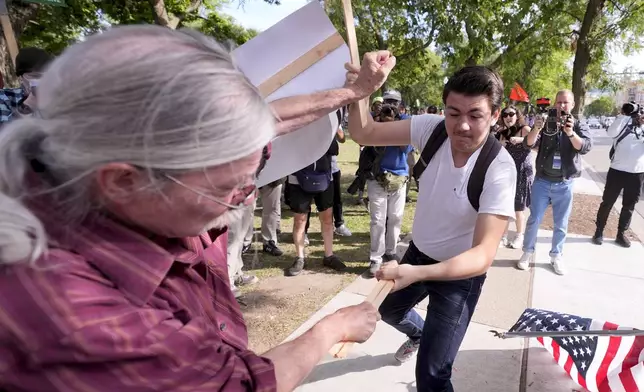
[(247, 192), (508, 114)]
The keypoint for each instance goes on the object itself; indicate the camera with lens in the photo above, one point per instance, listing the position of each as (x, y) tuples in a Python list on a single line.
[(632, 109)]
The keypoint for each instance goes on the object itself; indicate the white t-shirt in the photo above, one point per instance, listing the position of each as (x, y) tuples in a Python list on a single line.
[(445, 219), (629, 154)]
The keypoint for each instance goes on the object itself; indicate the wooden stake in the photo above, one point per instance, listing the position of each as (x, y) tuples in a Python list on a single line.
[(7, 29), (376, 297), (352, 41)]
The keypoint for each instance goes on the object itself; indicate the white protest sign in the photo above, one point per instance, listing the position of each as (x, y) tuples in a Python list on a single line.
[(301, 54)]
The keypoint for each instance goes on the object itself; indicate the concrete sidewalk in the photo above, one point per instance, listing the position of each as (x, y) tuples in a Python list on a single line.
[(603, 282)]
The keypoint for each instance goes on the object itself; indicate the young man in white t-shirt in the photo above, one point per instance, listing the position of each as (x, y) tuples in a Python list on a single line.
[(453, 245)]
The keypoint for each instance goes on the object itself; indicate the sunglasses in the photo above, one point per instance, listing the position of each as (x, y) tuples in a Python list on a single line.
[(508, 114)]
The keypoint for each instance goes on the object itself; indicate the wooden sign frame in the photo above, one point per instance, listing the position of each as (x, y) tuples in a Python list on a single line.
[(301, 64)]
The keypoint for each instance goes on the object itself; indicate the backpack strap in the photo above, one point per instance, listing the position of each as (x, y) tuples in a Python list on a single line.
[(625, 132), (436, 140), (489, 152)]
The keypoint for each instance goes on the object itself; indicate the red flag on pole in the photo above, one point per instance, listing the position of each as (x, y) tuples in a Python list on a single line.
[(519, 94)]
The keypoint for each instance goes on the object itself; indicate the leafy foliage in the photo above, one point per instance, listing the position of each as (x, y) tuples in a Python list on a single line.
[(544, 45), (602, 106)]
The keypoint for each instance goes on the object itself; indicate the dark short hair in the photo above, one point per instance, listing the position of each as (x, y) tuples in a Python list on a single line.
[(432, 109), (476, 80), (32, 60)]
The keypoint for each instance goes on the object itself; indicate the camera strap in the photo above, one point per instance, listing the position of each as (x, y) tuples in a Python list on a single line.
[(621, 137)]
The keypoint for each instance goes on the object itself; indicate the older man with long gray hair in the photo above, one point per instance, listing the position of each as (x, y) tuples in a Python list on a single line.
[(113, 209)]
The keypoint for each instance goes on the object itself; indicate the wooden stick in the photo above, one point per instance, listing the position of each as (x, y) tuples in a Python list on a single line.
[(352, 41), (376, 297), (7, 28), (301, 64)]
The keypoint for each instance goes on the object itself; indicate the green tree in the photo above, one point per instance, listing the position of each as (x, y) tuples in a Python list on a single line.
[(420, 80), (601, 24), (404, 27), (55, 28), (603, 106)]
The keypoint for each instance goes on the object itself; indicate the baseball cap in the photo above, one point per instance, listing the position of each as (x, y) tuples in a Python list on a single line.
[(392, 95), (377, 99)]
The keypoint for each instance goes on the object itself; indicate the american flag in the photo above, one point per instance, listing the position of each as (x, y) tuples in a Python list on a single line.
[(597, 363)]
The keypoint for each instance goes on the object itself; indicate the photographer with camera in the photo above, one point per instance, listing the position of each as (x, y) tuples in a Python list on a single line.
[(559, 144), (626, 171)]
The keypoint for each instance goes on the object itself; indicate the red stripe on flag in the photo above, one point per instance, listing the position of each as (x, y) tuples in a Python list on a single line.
[(568, 364), (581, 381), (626, 377), (540, 340), (555, 350), (632, 358), (611, 351)]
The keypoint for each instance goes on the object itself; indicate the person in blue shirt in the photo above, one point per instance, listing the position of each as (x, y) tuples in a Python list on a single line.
[(387, 191)]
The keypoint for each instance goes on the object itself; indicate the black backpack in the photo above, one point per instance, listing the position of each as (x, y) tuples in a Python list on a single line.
[(489, 152)]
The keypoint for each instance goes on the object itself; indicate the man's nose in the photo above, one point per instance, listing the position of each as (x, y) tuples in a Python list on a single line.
[(464, 125)]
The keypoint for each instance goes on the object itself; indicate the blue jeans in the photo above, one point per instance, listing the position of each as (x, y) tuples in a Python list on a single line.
[(545, 192), (451, 305)]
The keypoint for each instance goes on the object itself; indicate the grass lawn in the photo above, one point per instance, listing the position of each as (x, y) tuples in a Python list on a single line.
[(277, 305)]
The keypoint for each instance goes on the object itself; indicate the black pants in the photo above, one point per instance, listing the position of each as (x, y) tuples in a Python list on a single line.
[(617, 180), (338, 217)]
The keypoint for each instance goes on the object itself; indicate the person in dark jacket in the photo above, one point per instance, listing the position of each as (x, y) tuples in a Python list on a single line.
[(558, 163)]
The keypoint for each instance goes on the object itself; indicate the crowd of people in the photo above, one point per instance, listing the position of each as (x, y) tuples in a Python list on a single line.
[(122, 225)]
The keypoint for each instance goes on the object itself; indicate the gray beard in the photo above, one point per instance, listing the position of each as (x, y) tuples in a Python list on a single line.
[(226, 219)]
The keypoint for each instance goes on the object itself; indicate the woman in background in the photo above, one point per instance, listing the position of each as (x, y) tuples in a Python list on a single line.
[(513, 129)]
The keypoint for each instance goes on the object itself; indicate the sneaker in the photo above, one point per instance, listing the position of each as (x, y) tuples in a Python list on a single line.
[(558, 264), (342, 231), (373, 268), (598, 238), (334, 263), (271, 248), (622, 240), (236, 292), (306, 240), (407, 351), (525, 260), (517, 242), (246, 248), (245, 280), (504, 242), (296, 268), (387, 258)]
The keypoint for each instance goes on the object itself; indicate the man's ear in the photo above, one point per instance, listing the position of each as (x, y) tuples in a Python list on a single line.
[(495, 116), (117, 182)]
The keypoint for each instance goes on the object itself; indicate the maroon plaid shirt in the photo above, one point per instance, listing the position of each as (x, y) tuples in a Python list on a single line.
[(108, 309)]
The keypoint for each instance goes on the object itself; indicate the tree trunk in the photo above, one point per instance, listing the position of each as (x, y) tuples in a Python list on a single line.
[(20, 14), (161, 16), (583, 54)]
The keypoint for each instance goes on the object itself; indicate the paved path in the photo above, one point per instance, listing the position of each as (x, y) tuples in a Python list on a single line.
[(603, 282)]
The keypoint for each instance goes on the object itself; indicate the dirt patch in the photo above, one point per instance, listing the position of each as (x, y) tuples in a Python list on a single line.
[(583, 216), (277, 306)]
